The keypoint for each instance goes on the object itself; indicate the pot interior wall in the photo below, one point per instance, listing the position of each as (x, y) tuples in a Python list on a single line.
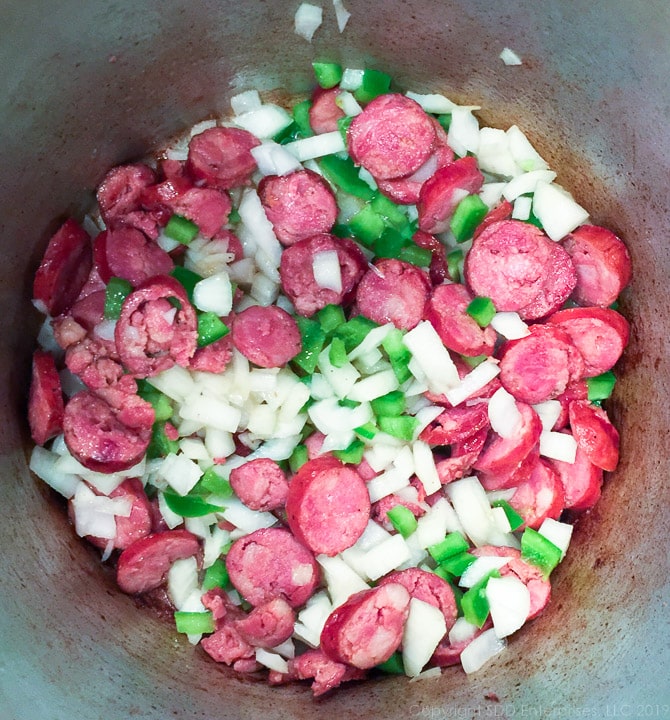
[(86, 86)]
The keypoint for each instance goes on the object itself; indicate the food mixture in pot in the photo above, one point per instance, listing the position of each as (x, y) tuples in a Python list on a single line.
[(328, 381)]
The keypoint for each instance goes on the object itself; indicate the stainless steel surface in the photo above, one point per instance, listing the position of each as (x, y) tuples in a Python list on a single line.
[(88, 85)]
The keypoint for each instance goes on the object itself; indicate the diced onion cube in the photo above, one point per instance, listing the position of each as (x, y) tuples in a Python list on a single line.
[(342, 15), (558, 533), (481, 650), (509, 325), (432, 357), (503, 413), (274, 159), (463, 135), (558, 446), (245, 101), (556, 210), (214, 294), (386, 556), (327, 271), (509, 603), (424, 628), (307, 20), (509, 57), (316, 146)]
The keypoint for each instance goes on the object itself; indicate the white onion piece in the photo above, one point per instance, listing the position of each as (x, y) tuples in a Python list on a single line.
[(433, 103), (307, 20), (271, 660), (167, 243), (312, 618), (317, 146), (509, 325), (494, 155), (245, 101), (214, 294), (436, 523), (257, 227), (424, 628), (176, 383), (386, 556), (424, 467), (341, 379), (340, 579), (503, 413), (182, 580), (348, 104), (432, 357), (558, 533), (526, 183), (273, 159), (463, 135), (558, 446), (525, 155), (474, 381), (491, 193), (96, 514), (238, 514), (327, 271), (43, 464), (549, 411), (201, 127), (180, 473), (374, 386), (105, 329), (461, 630), (555, 208), (481, 650), (342, 15), (481, 567), (351, 79), (394, 478), (509, 603), (509, 57), (522, 208), (330, 417), (171, 518)]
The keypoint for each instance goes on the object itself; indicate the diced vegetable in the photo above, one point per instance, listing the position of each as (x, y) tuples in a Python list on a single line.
[(402, 520), (181, 229), (469, 212), (601, 386), (539, 551), (116, 292), (482, 310), (328, 75)]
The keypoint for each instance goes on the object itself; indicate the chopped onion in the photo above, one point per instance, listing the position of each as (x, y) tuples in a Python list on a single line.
[(509, 325), (317, 146), (549, 412), (327, 271), (436, 523), (461, 630), (271, 660), (274, 159), (245, 101), (491, 193), (509, 57), (201, 127), (167, 243), (180, 473), (307, 20), (433, 103), (424, 628), (558, 446), (424, 467), (509, 603), (503, 413), (214, 294), (351, 79), (394, 478), (257, 227), (522, 208), (481, 650), (374, 386), (432, 357), (312, 618), (494, 155), (480, 568), (341, 14), (182, 580), (265, 121), (348, 104), (328, 416), (239, 515), (526, 183), (264, 290), (555, 208), (525, 155), (340, 579), (43, 464), (95, 515), (558, 533), (386, 556), (463, 135), (475, 380)]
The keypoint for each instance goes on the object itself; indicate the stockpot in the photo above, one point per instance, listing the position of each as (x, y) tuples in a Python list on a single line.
[(86, 85)]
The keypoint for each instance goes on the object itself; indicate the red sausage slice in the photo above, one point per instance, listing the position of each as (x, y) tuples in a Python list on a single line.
[(260, 484), (328, 505), (45, 400), (446, 312), (152, 334), (582, 481), (268, 624), (540, 366), (511, 476), (502, 211), (64, 269), (121, 190), (393, 137), (267, 336), (143, 565), (439, 269), (393, 291), (367, 629), (541, 496), (595, 434), (444, 190), (297, 273), (221, 157), (454, 425), (600, 335), (127, 253), (463, 456), (324, 112), (298, 205), (214, 357), (104, 438), (326, 673), (271, 563), (602, 263)]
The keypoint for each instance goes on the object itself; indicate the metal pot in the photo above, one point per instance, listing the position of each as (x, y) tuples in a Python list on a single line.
[(89, 85)]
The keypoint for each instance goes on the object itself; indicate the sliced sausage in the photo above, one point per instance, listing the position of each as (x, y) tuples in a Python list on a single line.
[(600, 335), (595, 434), (297, 272), (511, 476), (213, 358), (88, 311), (456, 424), (446, 312), (103, 438), (260, 484), (447, 654), (94, 361), (45, 399), (439, 268), (426, 586), (298, 205), (226, 645), (157, 327), (271, 563), (324, 112), (502, 211), (64, 269), (328, 505), (392, 138), (221, 157), (327, 674), (602, 263), (121, 190), (575, 391), (268, 624), (266, 335), (367, 628), (380, 509), (463, 456), (519, 268), (127, 253), (393, 291), (144, 564), (540, 366), (582, 481), (441, 193), (541, 496)]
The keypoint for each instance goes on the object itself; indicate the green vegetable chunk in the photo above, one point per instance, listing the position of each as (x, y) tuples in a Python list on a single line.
[(367, 431), (343, 173), (181, 229), (330, 317), (457, 564), (354, 331), (453, 544), (481, 310), (160, 445), (214, 484), (515, 520), (402, 427), (415, 255), (301, 118), (210, 328), (298, 458), (393, 403), (216, 575), (455, 264), (189, 506), (328, 75), (601, 386), (352, 454), (187, 278), (394, 665), (367, 226), (402, 519), (398, 354), (194, 623), (116, 292), (469, 212), (337, 353), (313, 340), (373, 84), (539, 551), (475, 603)]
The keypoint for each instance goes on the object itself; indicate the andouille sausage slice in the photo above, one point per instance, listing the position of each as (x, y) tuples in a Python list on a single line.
[(214, 357), (102, 437), (456, 424), (511, 476), (271, 563), (439, 268), (314, 664), (463, 456), (324, 112), (328, 505), (393, 291), (595, 434), (260, 484), (221, 157), (446, 312), (441, 193), (266, 335), (157, 327), (298, 205), (582, 481), (120, 191), (602, 262), (539, 497), (143, 565), (64, 269), (540, 366), (267, 625), (296, 272), (368, 627), (45, 399), (127, 253), (392, 138), (600, 335)]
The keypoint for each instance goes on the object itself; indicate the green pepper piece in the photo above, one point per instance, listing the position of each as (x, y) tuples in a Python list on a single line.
[(210, 328), (301, 117), (402, 519), (343, 173), (331, 317), (601, 386), (393, 403), (160, 445), (367, 226), (373, 84), (187, 278), (313, 340), (453, 544), (327, 74), (398, 354), (389, 244), (481, 310), (298, 458), (415, 255), (474, 602), (393, 666), (216, 576), (469, 212), (539, 551), (337, 354), (403, 426), (515, 520), (116, 292), (457, 564), (354, 331), (454, 264), (194, 623), (214, 484), (352, 454), (181, 229), (189, 506)]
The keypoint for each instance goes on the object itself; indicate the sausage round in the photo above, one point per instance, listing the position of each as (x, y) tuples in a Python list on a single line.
[(103, 438), (392, 138), (539, 497), (143, 565), (221, 157), (260, 484), (446, 312), (298, 205), (463, 456), (64, 269), (393, 291), (121, 190), (266, 335), (152, 333), (456, 424), (45, 399), (297, 273), (328, 505), (595, 434), (271, 563), (582, 481), (267, 625), (367, 629), (324, 112)]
